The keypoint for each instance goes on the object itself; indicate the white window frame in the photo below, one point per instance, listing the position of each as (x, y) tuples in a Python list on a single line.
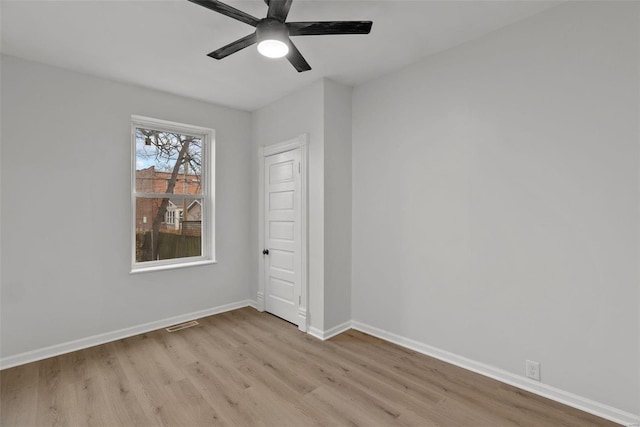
[(208, 194)]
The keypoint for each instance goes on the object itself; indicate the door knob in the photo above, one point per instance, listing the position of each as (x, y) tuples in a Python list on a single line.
[(265, 252)]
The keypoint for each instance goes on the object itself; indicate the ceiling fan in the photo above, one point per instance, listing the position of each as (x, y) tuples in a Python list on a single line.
[(272, 33)]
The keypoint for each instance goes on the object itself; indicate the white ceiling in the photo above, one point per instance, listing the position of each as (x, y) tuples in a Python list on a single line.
[(163, 44)]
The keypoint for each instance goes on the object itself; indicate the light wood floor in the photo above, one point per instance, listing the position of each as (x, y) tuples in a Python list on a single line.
[(245, 368)]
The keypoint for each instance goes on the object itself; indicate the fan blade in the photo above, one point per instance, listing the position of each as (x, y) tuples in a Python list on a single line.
[(231, 12), (279, 9), (233, 47), (330, 27), (297, 60)]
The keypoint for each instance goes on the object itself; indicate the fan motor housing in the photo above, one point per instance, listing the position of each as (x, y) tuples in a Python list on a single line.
[(271, 28)]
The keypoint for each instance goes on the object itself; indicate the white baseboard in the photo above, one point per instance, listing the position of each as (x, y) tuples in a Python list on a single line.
[(337, 330), (315, 332), (569, 399), (331, 332), (82, 343)]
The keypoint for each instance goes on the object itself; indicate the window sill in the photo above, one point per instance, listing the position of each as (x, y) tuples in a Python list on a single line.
[(162, 267)]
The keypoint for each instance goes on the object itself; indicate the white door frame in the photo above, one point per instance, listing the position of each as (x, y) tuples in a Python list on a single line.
[(301, 142)]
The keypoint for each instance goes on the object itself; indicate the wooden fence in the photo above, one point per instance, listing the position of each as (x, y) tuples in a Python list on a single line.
[(170, 246)]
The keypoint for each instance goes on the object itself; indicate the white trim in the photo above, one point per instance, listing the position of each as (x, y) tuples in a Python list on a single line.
[(163, 195), (176, 127), (171, 266), (300, 142), (260, 301), (561, 396), (208, 182), (260, 248), (337, 330), (536, 387), (331, 332), (315, 332), (302, 319), (82, 343)]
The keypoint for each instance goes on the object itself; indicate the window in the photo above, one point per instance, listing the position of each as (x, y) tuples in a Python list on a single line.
[(171, 195), (171, 217)]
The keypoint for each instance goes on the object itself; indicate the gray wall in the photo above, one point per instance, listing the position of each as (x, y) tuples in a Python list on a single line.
[(337, 204), (495, 200), (66, 209), (323, 110), (293, 115)]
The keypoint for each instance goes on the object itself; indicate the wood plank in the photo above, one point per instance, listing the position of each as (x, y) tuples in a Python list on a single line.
[(253, 369), (19, 395)]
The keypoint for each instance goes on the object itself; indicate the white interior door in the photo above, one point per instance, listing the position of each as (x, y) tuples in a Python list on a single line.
[(282, 228)]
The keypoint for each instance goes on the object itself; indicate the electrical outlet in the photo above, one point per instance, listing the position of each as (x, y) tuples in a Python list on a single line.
[(532, 370)]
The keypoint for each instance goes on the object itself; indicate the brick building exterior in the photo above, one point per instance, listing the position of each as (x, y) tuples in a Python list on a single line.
[(150, 180)]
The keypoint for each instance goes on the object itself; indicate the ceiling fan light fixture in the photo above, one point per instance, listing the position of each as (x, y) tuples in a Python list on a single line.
[(272, 32), (273, 48), (273, 38)]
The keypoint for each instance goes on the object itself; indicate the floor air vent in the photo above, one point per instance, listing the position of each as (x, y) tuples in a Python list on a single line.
[(182, 326)]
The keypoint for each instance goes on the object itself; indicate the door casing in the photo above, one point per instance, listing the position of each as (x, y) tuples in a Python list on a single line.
[(301, 142)]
